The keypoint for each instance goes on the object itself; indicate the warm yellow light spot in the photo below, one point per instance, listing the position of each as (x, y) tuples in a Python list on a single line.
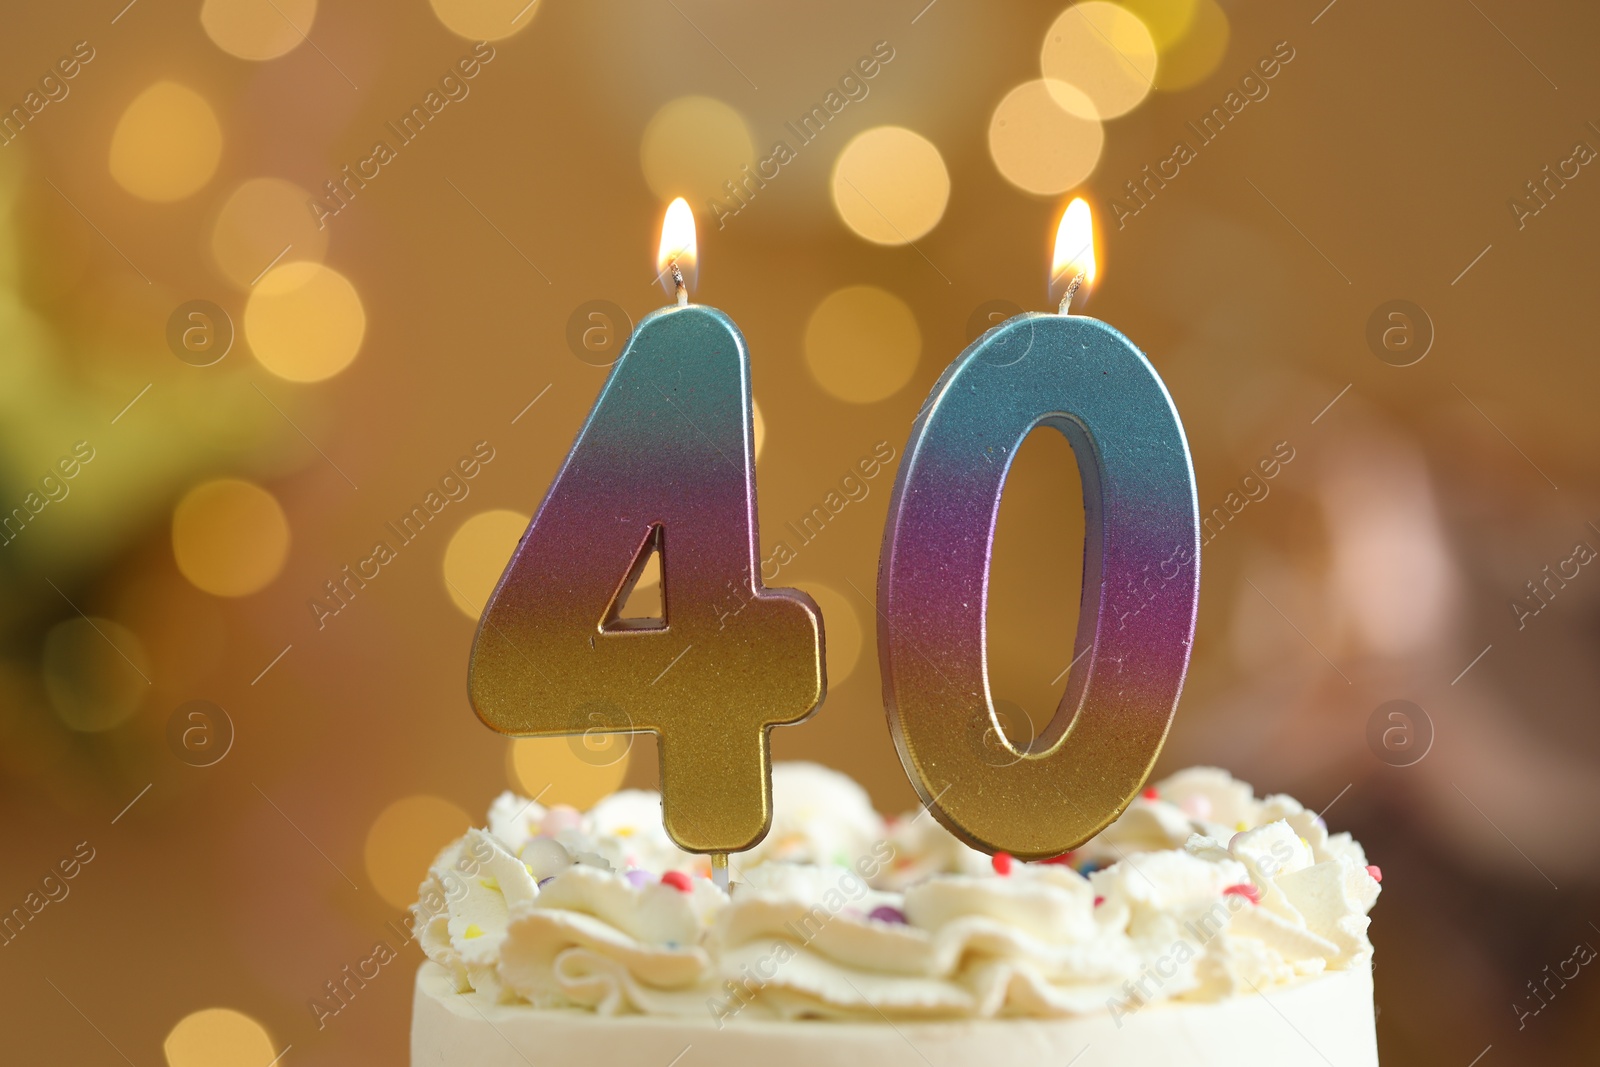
[(678, 245), (862, 344), (403, 841), (890, 185), (257, 29), (844, 631), (477, 555), (95, 673), (1074, 252), (264, 222), (1105, 51), (229, 537), (694, 145), (1193, 56), (485, 20), (218, 1037), (578, 770), (1041, 146), (1167, 20), (166, 144), (304, 321), (760, 426)]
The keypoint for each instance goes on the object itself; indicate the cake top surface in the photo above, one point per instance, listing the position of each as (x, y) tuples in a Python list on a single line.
[(1198, 891)]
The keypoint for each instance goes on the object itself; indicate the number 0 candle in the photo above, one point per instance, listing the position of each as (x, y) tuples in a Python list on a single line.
[(1141, 576), (665, 464)]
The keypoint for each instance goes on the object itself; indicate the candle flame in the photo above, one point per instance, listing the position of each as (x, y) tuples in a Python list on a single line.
[(1074, 254), (678, 246)]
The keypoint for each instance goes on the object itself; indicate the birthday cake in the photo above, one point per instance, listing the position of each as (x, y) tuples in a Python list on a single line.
[(1204, 926)]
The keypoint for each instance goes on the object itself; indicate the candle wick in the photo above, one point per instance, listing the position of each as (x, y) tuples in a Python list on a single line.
[(678, 285), (1072, 290)]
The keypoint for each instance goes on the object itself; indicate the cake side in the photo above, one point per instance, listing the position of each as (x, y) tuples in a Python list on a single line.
[(1313, 1022)]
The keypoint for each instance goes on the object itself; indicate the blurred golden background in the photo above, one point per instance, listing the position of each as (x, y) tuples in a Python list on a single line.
[(239, 338)]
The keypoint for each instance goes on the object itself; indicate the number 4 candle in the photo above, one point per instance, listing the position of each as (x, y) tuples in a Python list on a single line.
[(1141, 577), (665, 464)]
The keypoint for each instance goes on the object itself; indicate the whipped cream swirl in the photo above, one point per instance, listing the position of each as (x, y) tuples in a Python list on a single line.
[(1198, 891)]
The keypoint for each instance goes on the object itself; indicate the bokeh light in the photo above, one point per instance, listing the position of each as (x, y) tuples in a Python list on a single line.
[(1194, 55), (693, 145), (1103, 50), (485, 20), (218, 1037), (304, 321), (95, 672), (862, 344), (257, 29), (230, 537), (577, 770), (843, 630), (477, 555), (262, 223), (403, 841), (890, 185), (1167, 20), (1041, 146), (166, 144)]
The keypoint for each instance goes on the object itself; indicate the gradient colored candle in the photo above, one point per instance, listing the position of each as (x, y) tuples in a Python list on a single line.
[(1141, 577), (665, 463)]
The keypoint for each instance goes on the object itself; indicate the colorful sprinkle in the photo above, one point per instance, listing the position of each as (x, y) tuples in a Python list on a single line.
[(1065, 859), (1001, 862), (1240, 826), (886, 914), (1249, 892), (637, 878), (1151, 794), (1099, 901), (546, 881), (473, 930), (1088, 867), (677, 880), (1376, 873), (489, 883)]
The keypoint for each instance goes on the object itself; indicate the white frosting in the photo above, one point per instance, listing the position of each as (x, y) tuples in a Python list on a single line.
[(1313, 1022), (1202, 891)]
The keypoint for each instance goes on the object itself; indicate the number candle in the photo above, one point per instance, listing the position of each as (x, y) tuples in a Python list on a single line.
[(665, 463), (1141, 576)]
